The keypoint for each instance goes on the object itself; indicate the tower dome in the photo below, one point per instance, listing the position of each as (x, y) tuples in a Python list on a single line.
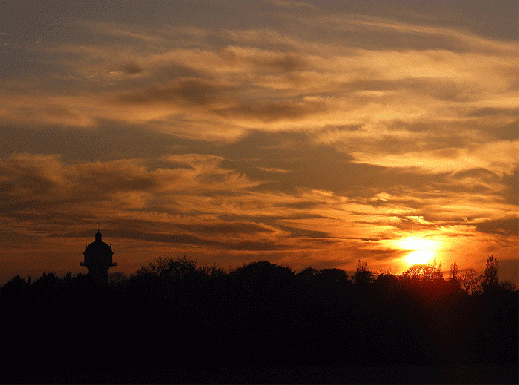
[(98, 259)]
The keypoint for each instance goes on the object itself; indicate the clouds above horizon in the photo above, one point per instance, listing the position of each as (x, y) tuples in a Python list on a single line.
[(437, 98), (298, 128)]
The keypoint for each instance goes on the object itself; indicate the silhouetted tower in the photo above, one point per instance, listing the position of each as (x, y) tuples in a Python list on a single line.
[(98, 259)]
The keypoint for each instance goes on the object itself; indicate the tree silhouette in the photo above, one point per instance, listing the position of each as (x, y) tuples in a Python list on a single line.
[(470, 281), (259, 315), (424, 272), (455, 277), (490, 280), (362, 275), (454, 271), (332, 279)]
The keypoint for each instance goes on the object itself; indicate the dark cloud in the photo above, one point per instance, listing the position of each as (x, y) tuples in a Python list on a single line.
[(184, 91), (248, 246), (314, 166), (285, 63), (269, 220), (442, 13), (38, 187), (493, 112), (131, 69), (441, 89), (270, 111), (227, 229), (66, 194), (173, 71), (225, 236), (303, 205), (105, 178), (446, 139), (511, 187), (265, 61), (476, 181), (506, 226), (377, 239), (166, 238), (179, 238), (477, 173), (370, 251), (16, 240), (297, 232), (109, 141), (503, 131), (198, 92), (414, 223)]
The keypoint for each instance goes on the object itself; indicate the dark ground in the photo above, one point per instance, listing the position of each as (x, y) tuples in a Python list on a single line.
[(176, 323), (480, 374)]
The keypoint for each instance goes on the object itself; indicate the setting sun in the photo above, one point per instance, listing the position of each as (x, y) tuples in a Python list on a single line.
[(421, 250)]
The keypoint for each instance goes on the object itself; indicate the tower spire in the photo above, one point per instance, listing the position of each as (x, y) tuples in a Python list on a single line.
[(98, 259), (99, 236)]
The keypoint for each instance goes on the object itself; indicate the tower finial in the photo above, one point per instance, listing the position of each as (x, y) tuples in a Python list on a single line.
[(98, 259)]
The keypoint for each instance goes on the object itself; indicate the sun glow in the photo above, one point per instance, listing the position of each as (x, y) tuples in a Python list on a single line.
[(421, 250)]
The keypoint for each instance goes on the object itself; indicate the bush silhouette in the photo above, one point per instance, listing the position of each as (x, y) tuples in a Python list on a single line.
[(173, 313)]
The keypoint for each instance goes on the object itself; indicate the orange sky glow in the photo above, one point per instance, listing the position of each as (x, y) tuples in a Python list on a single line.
[(304, 133)]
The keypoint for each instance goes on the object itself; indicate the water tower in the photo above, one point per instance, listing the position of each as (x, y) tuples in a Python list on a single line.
[(98, 259)]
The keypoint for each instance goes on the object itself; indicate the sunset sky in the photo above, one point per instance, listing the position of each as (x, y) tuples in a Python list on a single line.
[(304, 133)]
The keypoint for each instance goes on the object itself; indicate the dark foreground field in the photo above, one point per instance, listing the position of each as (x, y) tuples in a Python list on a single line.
[(173, 322), (424, 374)]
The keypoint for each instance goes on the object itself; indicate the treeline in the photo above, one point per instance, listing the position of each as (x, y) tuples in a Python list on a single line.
[(174, 314)]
